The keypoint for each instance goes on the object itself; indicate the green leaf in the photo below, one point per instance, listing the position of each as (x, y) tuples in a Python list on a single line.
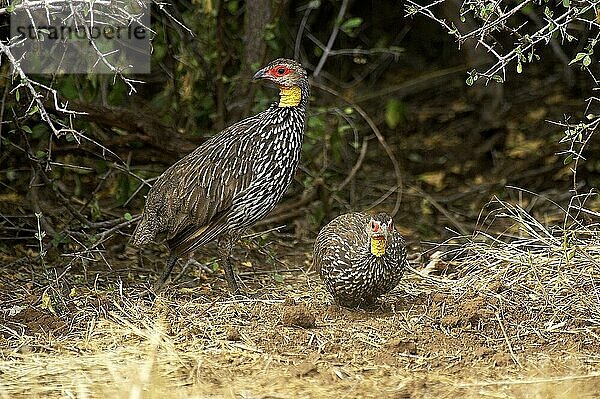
[(68, 87), (587, 60), (159, 51), (40, 130), (578, 58), (314, 4), (350, 25), (95, 210), (26, 129), (528, 9), (519, 67), (128, 216), (17, 95), (269, 35), (342, 128), (59, 238), (278, 277), (215, 266), (394, 112), (568, 159), (565, 3)]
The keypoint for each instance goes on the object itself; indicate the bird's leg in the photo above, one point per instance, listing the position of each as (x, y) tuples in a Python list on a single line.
[(230, 277), (159, 285), (226, 243)]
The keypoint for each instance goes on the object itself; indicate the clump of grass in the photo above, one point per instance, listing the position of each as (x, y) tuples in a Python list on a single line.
[(536, 280)]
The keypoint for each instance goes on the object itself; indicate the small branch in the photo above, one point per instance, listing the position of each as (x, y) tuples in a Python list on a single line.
[(382, 141), (357, 165), (332, 37), (512, 352), (37, 98), (442, 210), (301, 28)]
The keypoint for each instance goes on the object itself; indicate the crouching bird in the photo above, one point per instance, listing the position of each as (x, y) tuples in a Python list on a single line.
[(232, 180), (359, 257)]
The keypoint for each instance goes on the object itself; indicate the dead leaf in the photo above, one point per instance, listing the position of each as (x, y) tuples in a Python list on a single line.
[(435, 179), (47, 302)]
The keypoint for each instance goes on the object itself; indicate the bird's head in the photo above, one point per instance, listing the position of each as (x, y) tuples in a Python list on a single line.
[(380, 230), (291, 79)]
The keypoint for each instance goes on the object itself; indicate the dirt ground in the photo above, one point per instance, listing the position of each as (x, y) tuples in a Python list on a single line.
[(508, 309), (434, 337)]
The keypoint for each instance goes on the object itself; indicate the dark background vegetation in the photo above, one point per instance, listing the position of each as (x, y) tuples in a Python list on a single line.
[(391, 85)]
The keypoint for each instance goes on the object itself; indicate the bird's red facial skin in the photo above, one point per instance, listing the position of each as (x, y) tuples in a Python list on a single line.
[(375, 227), (279, 71)]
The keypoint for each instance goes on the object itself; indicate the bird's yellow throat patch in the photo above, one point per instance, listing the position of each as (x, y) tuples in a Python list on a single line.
[(289, 96), (378, 246)]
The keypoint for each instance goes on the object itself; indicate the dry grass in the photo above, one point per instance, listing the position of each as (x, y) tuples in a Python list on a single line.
[(512, 315)]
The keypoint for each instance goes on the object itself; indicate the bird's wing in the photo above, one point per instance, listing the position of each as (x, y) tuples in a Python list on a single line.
[(339, 240), (199, 189)]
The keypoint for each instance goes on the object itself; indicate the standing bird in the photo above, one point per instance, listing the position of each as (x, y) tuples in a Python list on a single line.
[(359, 257), (232, 180)]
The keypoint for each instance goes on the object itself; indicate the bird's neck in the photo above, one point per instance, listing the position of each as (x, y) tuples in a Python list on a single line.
[(289, 96), (378, 247)]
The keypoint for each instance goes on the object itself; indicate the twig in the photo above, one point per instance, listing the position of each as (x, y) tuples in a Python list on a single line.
[(418, 84), (2, 104), (382, 141), (336, 28), (512, 352), (301, 28), (289, 210), (6, 50), (441, 209), (357, 165)]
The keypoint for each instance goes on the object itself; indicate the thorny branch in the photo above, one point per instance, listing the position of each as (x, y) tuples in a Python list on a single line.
[(530, 24), (37, 101), (45, 101), (83, 17)]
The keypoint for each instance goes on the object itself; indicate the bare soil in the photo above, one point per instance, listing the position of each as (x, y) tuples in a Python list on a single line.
[(284, 339)]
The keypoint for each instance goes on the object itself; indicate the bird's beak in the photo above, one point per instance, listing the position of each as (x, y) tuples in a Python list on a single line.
[(260, 74)]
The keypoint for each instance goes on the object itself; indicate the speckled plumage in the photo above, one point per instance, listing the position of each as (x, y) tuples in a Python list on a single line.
[(232, 180), (352, 274)]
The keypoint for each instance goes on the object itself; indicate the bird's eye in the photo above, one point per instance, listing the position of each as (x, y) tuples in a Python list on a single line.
[(279, 70), (372, 225)]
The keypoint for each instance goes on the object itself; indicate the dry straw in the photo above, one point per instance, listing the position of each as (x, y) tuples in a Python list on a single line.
[(535, 288)]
